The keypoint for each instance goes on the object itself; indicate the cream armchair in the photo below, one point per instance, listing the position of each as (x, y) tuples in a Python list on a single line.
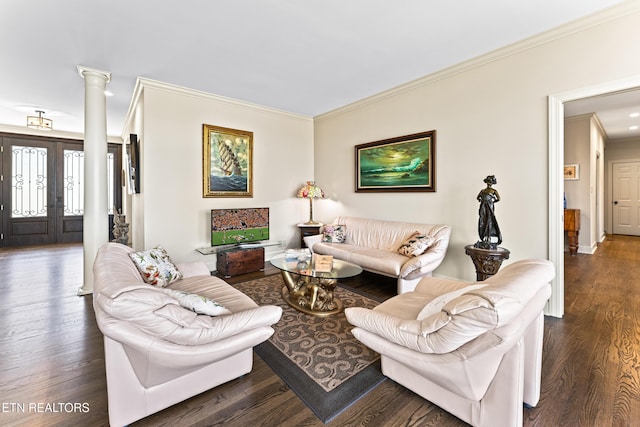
[(475, 350), (159, 353)]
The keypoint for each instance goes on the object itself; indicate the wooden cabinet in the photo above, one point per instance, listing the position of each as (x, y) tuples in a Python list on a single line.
[(572, 227), (239, 261)]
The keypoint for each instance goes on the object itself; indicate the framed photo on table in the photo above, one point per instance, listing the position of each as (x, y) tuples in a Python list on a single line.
[(404, 163), (227, 162)]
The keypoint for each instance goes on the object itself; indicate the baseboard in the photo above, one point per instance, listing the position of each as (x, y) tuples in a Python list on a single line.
[(588, 250)]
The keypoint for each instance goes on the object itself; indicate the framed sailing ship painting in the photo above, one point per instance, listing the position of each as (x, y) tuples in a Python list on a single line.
[(227, 162)]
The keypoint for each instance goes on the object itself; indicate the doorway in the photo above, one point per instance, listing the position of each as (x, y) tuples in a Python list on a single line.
[(555, 306), (42, 190)]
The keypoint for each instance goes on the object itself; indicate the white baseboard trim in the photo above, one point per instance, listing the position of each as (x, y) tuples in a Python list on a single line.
[(589, 250)]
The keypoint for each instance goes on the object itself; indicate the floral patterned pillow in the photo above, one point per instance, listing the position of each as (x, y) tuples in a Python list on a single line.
[(415, 245), (156, 267), (334, 233), (198, 303)]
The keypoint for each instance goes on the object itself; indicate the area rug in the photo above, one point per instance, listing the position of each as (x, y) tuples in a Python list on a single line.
[(317, 357)]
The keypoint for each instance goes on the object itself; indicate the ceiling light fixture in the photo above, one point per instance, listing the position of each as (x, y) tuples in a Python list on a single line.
[(634, 115), (39, 122), (633, 127)]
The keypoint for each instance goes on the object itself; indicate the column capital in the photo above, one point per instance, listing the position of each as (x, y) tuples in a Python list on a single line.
[(84, 71)]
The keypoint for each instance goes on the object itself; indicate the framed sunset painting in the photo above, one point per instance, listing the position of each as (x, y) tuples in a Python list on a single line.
[(404, 163)]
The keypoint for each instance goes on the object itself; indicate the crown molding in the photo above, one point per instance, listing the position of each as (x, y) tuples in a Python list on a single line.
[(629, 139), (598, 18), (600, 126), (143, 83), (579, 117), (135, 97)]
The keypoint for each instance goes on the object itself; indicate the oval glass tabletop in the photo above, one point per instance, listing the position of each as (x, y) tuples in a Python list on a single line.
[(341, 269)]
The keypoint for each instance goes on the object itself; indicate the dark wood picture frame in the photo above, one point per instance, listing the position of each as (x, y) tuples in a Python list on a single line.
[(133, 166), (401, 164)]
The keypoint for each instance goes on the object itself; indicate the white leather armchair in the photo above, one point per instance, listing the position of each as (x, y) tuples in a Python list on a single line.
[(158, 353), (474, 349)]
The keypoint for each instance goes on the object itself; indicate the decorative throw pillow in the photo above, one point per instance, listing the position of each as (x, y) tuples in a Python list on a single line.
[(198, 303), (334, 233), (156, 267), (415, 245)]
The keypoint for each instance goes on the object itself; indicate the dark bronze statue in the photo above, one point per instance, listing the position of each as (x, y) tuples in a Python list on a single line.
[(488, 229)]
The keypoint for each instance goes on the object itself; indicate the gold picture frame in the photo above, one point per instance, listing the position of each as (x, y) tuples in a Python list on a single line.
[(227, 162)]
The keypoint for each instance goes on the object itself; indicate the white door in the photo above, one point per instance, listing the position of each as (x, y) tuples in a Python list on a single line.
[(626, 198)]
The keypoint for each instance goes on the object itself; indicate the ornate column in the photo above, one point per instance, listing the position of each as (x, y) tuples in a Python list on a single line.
[(96, 217), (486, 261)]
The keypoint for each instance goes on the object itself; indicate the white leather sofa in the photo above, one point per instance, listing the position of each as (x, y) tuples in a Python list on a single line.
[(373, 245), (158, 353), (476, 350)]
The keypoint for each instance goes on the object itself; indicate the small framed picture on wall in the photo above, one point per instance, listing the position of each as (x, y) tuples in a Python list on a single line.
[(571, 172)]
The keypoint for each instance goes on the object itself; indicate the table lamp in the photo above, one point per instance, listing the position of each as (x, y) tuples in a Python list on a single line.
[(310, 191)]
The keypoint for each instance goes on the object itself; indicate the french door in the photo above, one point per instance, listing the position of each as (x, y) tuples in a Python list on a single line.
[(42, 189)]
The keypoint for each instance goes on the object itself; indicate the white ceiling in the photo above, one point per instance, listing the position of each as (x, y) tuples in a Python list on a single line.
[(305, 57), (616, 111)]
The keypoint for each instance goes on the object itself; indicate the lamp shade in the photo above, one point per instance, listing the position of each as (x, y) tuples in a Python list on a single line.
[(310, 191)]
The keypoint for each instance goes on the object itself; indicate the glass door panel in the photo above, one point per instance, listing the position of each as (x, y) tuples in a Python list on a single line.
[(70, 192), (28, 181), (73, 182), (28, 192)]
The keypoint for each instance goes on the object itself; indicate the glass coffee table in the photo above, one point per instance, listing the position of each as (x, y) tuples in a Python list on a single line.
[(311, 291)]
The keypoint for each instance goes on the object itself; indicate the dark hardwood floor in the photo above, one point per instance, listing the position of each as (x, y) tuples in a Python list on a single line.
[(52, 361)]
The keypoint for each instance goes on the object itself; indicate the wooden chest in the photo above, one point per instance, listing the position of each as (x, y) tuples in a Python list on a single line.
[(232, 262)]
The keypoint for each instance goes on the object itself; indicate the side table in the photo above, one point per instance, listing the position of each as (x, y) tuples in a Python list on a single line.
[(308, 230), (486, 261), (572, 227)]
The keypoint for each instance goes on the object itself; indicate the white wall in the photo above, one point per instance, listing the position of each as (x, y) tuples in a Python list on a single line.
[(623, 149), (133, 204), (491, 118), (584, 146), (577, 137), (175, 213)]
